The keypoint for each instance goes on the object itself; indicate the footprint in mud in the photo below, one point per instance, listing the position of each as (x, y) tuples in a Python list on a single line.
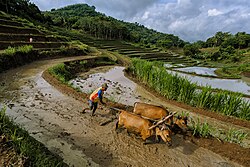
[(64, 134)]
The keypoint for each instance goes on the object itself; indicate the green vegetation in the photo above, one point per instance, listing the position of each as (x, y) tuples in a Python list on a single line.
[(66, 71), (25, 49), (84, 18), (22, 8), (61, 72), (235, 136), (229, 52), (205, 130), (201, 129), (181, 89), (16, 56), (35, 152)]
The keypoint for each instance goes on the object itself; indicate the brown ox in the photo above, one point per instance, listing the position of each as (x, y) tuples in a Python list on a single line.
[(153, 112), (150, 111), (138, 125)]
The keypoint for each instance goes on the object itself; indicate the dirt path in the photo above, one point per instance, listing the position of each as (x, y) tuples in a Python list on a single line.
[(54, 119)]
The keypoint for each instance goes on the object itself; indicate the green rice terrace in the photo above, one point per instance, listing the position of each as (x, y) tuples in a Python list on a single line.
[(15, 32), (48, 72)]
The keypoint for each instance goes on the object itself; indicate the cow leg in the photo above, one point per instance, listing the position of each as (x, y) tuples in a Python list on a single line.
[(147, 142), (157, 139), (117, 127)]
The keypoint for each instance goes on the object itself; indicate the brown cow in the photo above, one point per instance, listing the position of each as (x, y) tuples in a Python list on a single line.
[(153, 112), (136, 124), (150, 111)]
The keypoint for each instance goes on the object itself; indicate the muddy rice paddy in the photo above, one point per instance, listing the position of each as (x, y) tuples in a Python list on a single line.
[(54, 118)]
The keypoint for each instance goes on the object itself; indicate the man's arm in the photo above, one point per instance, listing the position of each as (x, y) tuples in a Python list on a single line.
[(100, 96)]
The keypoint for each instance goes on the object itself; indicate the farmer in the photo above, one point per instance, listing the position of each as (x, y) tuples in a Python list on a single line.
[(95, 97)]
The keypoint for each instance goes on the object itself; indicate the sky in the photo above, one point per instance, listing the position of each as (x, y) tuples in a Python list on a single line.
[(190, 20)]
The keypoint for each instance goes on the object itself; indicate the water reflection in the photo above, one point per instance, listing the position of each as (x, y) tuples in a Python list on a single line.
[(121, 89), (199, 70), (234, 85)]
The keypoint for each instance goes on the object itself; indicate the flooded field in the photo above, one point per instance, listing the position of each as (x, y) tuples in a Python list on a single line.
[(198, 70), (235, 85), (120, 89)]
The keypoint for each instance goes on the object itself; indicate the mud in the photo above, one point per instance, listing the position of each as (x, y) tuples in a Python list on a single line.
[(54, 119)]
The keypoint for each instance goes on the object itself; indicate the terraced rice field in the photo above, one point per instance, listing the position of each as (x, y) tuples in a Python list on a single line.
[(15, 32)]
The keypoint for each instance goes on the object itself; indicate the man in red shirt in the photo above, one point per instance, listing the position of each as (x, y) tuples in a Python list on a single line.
[(96, 96)]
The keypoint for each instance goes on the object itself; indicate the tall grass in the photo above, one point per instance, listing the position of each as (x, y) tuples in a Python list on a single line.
[(155, 75), (181, 89), (36, 153), (203, 98), (244, 111)]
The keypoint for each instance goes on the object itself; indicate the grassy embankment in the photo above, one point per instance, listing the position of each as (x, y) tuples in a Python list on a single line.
[(17, 56), (26, 151), (181, 89)]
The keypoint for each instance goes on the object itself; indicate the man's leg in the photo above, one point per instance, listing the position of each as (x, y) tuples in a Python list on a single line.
[(94, 106), (90, 107)]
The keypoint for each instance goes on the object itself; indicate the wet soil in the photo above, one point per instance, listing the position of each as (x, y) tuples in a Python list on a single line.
[(52, 115)]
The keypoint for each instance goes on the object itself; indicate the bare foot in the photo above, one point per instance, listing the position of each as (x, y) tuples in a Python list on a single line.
[(84, 110)]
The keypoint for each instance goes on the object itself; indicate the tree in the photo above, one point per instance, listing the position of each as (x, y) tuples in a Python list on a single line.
[(191, 50)]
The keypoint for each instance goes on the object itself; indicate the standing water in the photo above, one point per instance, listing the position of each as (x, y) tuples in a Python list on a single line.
[(120, 88), (199, 70), (234, 85)]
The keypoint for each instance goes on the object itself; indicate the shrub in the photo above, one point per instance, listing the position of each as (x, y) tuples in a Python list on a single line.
[(10, 51), (201, 129), (25, 49)]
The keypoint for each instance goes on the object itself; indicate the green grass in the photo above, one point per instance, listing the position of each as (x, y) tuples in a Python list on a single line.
[(205, 130), (36, 153), (61, 72), (10, 51), (174, 87), (235, 136), (201, 129)]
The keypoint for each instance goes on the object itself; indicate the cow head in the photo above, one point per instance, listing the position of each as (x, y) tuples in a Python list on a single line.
[(165, 134), (181, 122)]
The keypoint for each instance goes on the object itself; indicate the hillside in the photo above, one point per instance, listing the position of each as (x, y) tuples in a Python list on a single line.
[(22, 42), (84, 18), (47, 97)]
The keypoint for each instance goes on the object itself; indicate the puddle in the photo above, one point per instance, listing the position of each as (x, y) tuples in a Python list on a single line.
[(199, 70), (120, 89), (234, 85)]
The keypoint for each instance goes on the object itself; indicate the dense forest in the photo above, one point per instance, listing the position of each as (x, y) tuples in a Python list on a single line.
[(22, 8), (84, 17), (225, 44)]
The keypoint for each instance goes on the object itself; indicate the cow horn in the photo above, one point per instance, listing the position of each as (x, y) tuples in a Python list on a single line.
[(161, 121), (163, 127)]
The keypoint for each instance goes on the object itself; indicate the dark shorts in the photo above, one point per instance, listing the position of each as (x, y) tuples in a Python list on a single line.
[(92, 104)]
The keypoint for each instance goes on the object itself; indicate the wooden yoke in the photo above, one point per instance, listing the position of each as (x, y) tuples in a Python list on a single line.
[(161, 121)]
